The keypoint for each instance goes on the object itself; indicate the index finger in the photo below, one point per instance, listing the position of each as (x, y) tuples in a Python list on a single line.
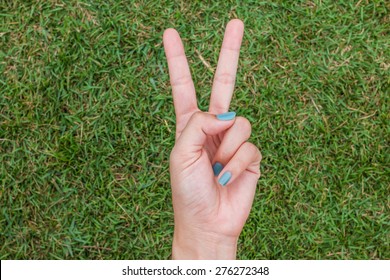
[(225, 75), (183, 90)]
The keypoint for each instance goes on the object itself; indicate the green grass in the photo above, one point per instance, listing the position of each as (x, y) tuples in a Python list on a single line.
[(87, 125)]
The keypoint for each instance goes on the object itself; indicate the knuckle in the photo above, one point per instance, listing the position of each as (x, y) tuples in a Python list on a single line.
[(244, 125), (183, 80), (196, 118), (218, 107), (197, 115), (259, 155), (258, 173), (240, 164), (252, 149), (225, 78)]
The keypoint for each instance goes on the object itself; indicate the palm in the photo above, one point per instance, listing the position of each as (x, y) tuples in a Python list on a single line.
[(221, 210)]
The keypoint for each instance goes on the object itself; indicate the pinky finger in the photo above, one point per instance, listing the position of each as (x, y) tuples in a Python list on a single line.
[(247, 158)]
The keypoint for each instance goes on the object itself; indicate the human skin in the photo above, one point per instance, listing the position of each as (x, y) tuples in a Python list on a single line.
[(210, 205)]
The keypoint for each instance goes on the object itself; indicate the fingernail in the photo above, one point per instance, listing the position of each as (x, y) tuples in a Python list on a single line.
[(217, 168), (225, 178), (226, 116)]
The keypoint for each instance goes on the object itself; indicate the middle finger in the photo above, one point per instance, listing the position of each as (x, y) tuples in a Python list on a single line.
[(225, 75)]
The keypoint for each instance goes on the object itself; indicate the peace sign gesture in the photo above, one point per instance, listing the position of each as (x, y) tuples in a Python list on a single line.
[(214, 170)]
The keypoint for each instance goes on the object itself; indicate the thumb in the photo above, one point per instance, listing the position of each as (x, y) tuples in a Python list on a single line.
[(200, 126)]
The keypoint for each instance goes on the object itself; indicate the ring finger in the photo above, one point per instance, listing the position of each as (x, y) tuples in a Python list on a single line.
[(233, 138)]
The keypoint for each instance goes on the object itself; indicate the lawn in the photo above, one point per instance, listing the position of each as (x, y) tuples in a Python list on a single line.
[(87, 124)]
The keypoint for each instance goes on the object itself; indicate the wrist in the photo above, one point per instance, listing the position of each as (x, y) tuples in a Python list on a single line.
[(206, 246)]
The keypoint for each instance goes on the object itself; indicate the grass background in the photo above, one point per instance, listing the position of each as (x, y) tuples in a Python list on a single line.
[(87, 125)]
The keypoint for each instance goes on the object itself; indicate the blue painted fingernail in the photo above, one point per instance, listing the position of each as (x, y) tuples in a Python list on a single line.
[(217, 168), (225, 178), (226, 116)]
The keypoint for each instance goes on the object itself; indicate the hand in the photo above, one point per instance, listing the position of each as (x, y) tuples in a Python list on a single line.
[(210, 205)]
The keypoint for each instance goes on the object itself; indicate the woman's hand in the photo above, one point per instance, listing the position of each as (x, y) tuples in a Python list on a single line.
[(214, 170)]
